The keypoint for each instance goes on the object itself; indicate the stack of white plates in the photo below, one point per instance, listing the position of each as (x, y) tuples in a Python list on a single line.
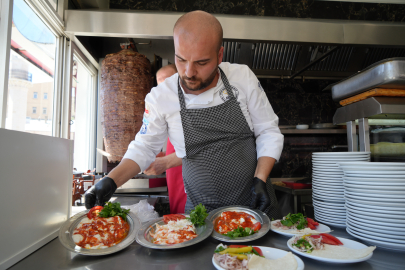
[(375, 202), (327, 185)]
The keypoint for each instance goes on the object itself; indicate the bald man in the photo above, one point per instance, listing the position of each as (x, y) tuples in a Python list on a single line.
[(170, 163), (218, 119)]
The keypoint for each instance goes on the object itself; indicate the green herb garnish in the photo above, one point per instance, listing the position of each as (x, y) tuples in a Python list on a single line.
[(221, 248), (292, 219), (240, 232), (302, 243), (112, 210), (198, 215)]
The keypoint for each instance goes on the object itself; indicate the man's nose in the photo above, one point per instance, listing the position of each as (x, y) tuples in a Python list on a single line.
[(190, 70)]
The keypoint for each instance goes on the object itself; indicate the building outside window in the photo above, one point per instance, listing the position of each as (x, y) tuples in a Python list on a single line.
[(44, 110), (32, 66)]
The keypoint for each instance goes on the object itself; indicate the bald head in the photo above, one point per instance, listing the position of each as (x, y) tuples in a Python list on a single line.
[(198, 25), (165, 72)]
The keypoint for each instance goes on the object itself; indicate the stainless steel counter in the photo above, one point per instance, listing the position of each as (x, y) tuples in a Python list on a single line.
[(55, 256)]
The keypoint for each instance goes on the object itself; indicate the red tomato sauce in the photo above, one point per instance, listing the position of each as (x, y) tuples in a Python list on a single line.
[(100, 226), (230, 220)]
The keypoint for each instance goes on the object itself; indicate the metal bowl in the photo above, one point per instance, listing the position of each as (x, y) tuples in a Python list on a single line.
[(143, 237), (257, 214), (67, 229)]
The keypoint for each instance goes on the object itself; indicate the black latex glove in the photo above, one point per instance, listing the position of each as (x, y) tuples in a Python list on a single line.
[(260, 197), (100, 193)]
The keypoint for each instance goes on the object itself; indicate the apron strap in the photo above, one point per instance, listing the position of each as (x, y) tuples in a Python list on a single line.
[(224, 81)]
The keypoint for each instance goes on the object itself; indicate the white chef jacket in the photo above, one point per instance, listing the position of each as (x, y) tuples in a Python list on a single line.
[(162, 115)]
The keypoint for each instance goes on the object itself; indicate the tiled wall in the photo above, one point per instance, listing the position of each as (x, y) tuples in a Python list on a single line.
[(302, 102), (278, 8)]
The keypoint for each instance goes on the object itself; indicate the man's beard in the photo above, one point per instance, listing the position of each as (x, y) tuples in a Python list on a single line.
[(200, 86)]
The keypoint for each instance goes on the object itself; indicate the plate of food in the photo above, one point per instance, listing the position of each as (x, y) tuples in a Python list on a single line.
[(176, 230), (254, 258), (100, 230), (327, 248), (296, 224), (238, 224)]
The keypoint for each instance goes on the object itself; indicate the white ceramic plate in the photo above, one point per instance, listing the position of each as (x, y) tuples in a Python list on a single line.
[(377, 178), (320, 228), (375, 197), (372, 185), (326, 186), (340, 153), (331, 215), (368, 173), (388, 230), (334, 224), (330, 188), (340, 159), (372, 165), (330, 162), (374, 213), (382, 244), (323, 170), (371, 169), (327, 175), (338, 221), (271, 254), (379, 233), (329, 206), (378, 237), (328, 198), (328, 182), (384, 209), (346, 243), (399, 223), (375, 191), (364, 203)]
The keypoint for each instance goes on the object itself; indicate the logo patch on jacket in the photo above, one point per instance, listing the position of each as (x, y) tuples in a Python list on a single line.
[(146, 109), (260, 86), (223, 93), (144, 127)]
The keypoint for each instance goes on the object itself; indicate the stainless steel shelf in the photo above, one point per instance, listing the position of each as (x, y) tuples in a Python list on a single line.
[(313, 131)]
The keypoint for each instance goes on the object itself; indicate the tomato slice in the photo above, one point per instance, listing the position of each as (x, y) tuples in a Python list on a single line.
[(328, 241), (311, 226), (258, 250), (236, 246), (94, 211), (257, 226), (313, 222), (331, 237), (172, 217)]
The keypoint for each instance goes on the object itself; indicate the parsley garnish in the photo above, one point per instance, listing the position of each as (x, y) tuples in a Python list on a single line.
[(198, 215), (221, 248), (112, 210), (305, 244), (292, 219), (240, 232)]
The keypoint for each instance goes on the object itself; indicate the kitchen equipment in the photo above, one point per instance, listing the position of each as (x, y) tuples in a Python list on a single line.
[(67, 229), (387, 73), (301, 126), (322, 126), (295, 185), (125, 81)]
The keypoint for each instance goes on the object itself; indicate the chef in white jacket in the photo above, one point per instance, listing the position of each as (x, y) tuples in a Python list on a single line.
[(218, 119)]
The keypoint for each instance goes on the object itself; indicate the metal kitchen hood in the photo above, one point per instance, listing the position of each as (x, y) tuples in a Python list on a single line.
[(270, 46)]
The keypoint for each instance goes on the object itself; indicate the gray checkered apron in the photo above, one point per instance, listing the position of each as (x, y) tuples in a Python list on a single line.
[(221, 158)]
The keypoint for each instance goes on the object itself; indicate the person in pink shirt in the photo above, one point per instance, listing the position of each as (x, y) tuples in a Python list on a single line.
[(170, 163)]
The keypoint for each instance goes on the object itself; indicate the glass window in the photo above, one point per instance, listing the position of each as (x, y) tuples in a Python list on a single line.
[(82, 97), (44, 110), (54, 4), (32, 65)]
